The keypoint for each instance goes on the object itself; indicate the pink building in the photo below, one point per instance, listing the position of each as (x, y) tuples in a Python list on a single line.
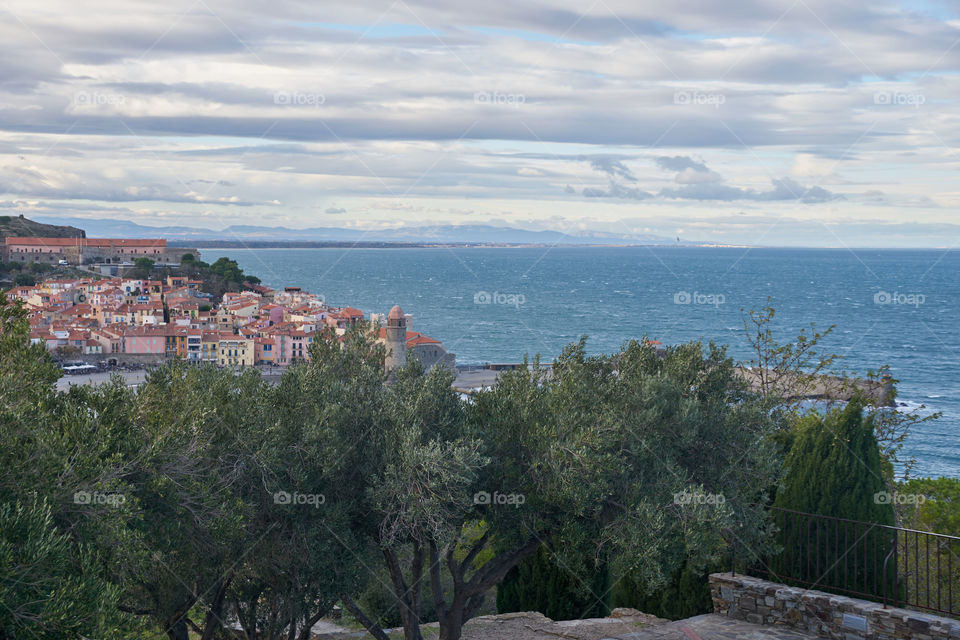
[(142, 340), (284, 345), (264, 350), (272, 313)]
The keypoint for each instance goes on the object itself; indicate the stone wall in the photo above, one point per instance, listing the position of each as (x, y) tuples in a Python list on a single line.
[(825, 614), (144, 359)]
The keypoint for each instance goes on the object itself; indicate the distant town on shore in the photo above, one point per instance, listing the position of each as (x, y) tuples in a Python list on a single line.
[(134, 301)]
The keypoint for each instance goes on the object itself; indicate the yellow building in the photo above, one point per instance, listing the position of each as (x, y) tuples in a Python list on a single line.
[(236, 351), (210, 347)]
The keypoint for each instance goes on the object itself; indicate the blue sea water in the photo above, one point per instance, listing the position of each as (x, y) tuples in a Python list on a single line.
[(892, 307)]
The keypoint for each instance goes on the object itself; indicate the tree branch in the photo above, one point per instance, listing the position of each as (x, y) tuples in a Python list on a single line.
[(495, 570), (135, 611), (474, 550), (308, 625)]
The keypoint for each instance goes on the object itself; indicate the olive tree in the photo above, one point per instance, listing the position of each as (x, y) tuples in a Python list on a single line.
[(194, 528), (646, 460), (313, 456), (56, 535)]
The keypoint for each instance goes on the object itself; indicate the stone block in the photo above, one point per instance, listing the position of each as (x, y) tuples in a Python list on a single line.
[(918, 624)]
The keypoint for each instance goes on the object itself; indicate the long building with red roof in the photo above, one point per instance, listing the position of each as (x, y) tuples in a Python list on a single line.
[(81, 250)]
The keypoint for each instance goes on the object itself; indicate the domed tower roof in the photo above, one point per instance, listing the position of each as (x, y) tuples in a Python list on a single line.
[(396, 313)]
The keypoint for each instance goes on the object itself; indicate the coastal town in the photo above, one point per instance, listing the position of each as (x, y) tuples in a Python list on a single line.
[(116, 320)]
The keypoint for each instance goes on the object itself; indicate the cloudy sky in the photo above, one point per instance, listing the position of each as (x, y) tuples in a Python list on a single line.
[(763, 122)]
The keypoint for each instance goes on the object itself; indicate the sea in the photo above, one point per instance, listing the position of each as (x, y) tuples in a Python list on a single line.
[(895, 308)]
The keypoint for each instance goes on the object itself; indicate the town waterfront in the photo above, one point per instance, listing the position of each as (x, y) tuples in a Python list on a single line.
[(498, 304)]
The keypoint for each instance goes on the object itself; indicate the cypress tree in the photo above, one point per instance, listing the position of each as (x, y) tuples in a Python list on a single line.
[(541, 583), (834, 468), (687, 594)]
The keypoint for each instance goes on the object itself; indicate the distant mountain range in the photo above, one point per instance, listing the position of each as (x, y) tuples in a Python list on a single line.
[(434, 234)]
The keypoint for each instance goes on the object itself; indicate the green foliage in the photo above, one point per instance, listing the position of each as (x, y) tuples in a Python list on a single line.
[(686, 595), (933, 504), (49, 586), (187, 257), (308, 506), (189, 481), (540, 583), (834, 468), (227, 268), (589, 455), (142, 267), (55, 550), (218, 278), (24, 280)]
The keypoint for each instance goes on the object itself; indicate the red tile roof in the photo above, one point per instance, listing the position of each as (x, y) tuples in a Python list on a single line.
[(87, 242)]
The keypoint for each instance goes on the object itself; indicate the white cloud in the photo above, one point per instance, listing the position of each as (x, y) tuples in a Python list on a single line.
[(460, 103)]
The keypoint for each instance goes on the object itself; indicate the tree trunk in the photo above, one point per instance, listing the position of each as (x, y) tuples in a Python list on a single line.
[(248, 622), (214, 619), (468, 594), (368, 624), (178, 630), (451, 626), (416, 580), (406, 596)]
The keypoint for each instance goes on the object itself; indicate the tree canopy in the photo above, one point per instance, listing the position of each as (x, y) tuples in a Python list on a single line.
[(205, 499)]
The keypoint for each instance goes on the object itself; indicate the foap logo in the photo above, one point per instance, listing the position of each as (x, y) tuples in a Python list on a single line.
[(98, 99), (99, 497), (500, 99), (899, 99), (687, 497), (296, 498), (910, 299), (885, 497), (699, 98), (299, 99), (685, 297), (508, 299), (497, 498)]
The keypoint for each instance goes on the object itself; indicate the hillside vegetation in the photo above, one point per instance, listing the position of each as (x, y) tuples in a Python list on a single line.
[(18, 226)]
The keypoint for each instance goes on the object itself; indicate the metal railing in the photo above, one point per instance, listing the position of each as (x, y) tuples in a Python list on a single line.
[(892, 565)]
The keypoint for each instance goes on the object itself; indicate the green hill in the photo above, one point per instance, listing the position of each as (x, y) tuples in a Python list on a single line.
[(18, 226)]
